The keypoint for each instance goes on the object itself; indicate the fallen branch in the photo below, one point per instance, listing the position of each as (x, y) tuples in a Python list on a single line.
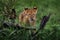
[(9, 24), (42, 25)]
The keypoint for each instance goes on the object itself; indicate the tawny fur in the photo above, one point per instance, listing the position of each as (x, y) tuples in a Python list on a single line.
[(28, 16)]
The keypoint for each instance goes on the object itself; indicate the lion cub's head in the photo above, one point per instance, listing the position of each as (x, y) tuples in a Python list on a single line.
[(28, 14)]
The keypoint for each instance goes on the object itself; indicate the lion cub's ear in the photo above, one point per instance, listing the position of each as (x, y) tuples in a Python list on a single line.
[(34, 7), (25, 8)]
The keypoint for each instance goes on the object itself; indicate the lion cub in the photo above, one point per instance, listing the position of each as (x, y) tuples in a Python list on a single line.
[(28, 16)]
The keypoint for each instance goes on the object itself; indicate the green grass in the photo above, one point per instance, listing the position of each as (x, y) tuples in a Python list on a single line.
[(52, 28), (44, 8)]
